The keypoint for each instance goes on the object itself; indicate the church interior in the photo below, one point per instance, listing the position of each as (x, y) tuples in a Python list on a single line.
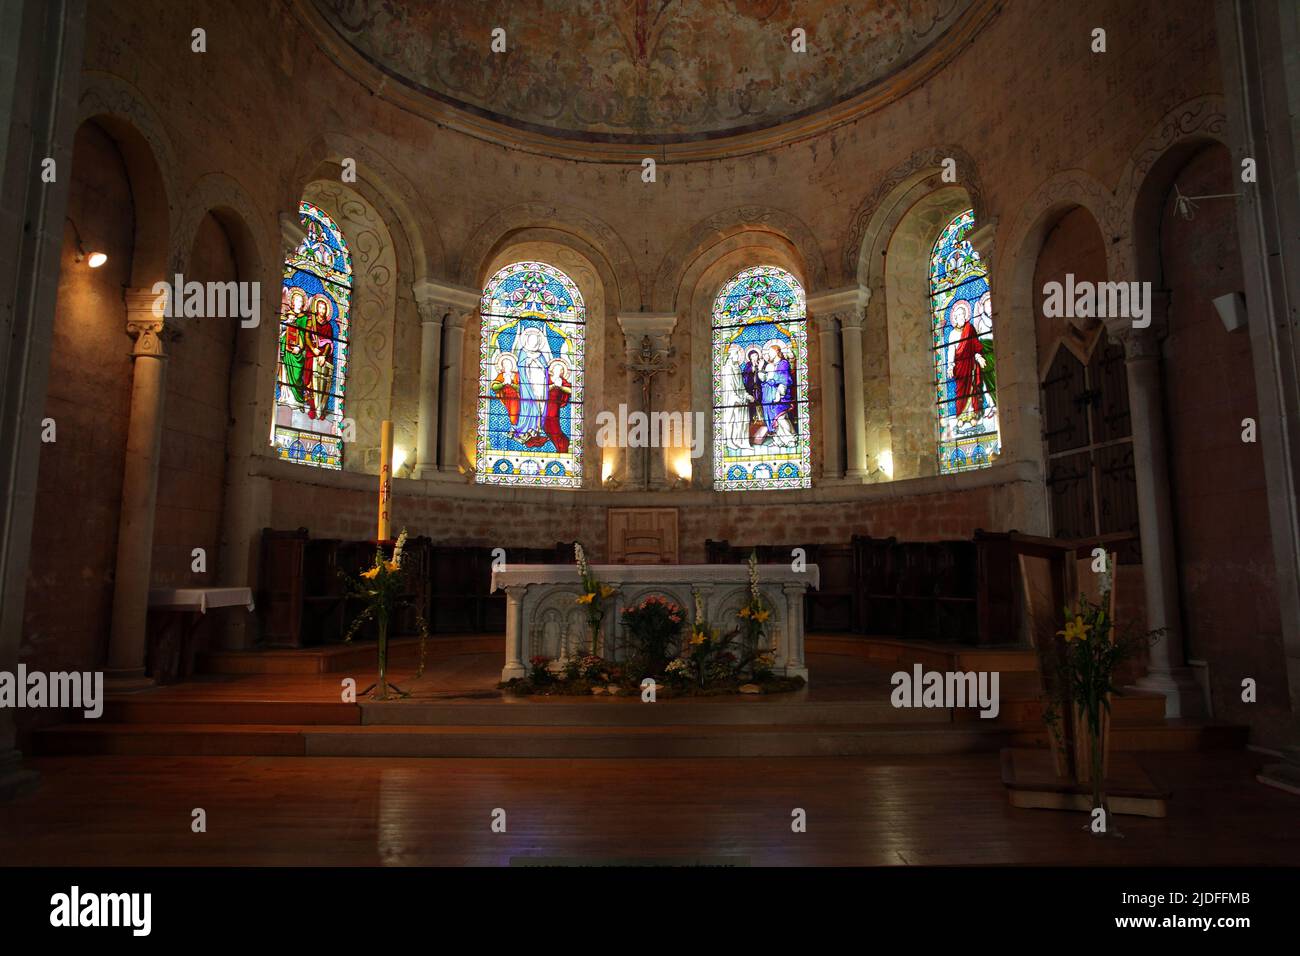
[(475, 433)]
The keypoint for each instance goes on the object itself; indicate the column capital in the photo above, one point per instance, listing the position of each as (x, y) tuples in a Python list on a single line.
[(851, 320), (144, 320), (637, 326), (441, 301), (850, 298)]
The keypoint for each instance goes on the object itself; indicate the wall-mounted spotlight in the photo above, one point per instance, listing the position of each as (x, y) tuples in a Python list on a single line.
[(1185, 206), (94, 259)]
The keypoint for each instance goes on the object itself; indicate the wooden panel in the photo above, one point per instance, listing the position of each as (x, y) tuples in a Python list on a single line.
[(642, 535), (1065, 423), (1108, 375)]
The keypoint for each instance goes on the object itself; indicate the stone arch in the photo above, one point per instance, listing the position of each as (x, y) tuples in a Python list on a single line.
[(250, 231), (126, 116), (1149, 175), (899, 347), (870, 220), (384, 187), (590, 233), (1014, 315), (721, 226)]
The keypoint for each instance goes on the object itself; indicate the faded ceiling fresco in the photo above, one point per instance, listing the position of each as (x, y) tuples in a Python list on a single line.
[(666, 69)]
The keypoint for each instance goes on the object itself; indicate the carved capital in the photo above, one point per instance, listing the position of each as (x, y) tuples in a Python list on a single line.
[(851, 320), (639, 326), (444, 302), (144, 320)]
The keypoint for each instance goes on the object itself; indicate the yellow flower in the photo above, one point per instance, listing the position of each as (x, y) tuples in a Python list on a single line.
[(761, 616), (744, 611), (1075, 630), (586, 598), (371, 574), (699, 638), (391, 565), (606, 590)]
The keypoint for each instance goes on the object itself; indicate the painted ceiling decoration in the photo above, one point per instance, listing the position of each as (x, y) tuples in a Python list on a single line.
[(647, 71)]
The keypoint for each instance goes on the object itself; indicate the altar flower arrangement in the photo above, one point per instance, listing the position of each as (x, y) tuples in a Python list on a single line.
[(1091, 651), (382, 587), (595, 595), (754, 612), (654, 629)]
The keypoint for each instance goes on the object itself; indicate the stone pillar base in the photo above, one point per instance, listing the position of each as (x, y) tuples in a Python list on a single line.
[(1182, 692), (15, 779), (796, 671)]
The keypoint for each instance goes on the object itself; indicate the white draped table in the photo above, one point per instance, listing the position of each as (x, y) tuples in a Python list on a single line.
[(544, 619)]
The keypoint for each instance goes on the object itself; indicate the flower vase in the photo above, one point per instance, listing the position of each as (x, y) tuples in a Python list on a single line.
[(381, 689)]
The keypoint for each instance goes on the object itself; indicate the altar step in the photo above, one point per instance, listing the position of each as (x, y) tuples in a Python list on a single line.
[(1017, 709), (599, 741)]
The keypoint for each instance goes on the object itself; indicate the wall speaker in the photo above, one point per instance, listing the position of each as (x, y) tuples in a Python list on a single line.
[(1232, 310)]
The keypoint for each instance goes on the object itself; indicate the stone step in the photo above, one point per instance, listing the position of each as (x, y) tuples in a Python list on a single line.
[(683, 740)]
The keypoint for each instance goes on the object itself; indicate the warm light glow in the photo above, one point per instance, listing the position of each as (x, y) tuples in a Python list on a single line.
[(886, 462), (682, 464), (606, 467), (399, 458), (96, 259)]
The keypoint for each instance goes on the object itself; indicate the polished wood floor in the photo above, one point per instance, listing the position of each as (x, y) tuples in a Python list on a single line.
[(861, 811)]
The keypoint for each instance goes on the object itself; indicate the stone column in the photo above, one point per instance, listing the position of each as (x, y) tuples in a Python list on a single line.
[(855, 423), (637, 326), (426, 435), (126, 646), (453, 374), (514, 632), (832, 396), (41, 46), (1166, 670), (794, 659)]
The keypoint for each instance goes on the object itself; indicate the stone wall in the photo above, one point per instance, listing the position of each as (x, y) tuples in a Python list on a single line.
[(1026, 104)]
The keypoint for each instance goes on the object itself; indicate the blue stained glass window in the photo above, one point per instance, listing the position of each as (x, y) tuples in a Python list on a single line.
[(760, 383), (531, 368), (965, 360), (312, 362)]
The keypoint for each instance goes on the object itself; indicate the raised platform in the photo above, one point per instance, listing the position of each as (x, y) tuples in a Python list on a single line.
[(288, 703), (1031, 782)]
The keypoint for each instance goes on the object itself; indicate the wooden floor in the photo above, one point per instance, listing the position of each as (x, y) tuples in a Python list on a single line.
[(861, 811)]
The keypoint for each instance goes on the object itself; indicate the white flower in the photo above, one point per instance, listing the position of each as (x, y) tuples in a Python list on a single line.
[(582, 558), (397, 549)]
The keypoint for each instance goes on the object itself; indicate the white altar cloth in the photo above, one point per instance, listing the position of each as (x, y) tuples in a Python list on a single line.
[(543, 617), (200, 599)]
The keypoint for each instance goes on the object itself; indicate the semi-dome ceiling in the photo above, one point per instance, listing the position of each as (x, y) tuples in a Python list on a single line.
[(642, 70)]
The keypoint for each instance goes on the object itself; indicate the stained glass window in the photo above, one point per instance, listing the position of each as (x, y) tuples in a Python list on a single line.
[(312, 364), (965, 364), (531, 356), (760, 383)]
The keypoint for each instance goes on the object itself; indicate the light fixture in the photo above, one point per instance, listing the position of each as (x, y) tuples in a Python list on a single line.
[(1185, 206), (886, 462), (93, 259), (399, 458), (682, 465)]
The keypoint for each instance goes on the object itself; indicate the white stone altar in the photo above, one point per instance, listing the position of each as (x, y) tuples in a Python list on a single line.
[(544, 618)]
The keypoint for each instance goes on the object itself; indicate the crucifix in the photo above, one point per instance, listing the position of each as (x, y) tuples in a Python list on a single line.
[(648, 363)]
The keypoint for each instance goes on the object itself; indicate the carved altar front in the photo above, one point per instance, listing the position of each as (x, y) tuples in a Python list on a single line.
[(543, 617)]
